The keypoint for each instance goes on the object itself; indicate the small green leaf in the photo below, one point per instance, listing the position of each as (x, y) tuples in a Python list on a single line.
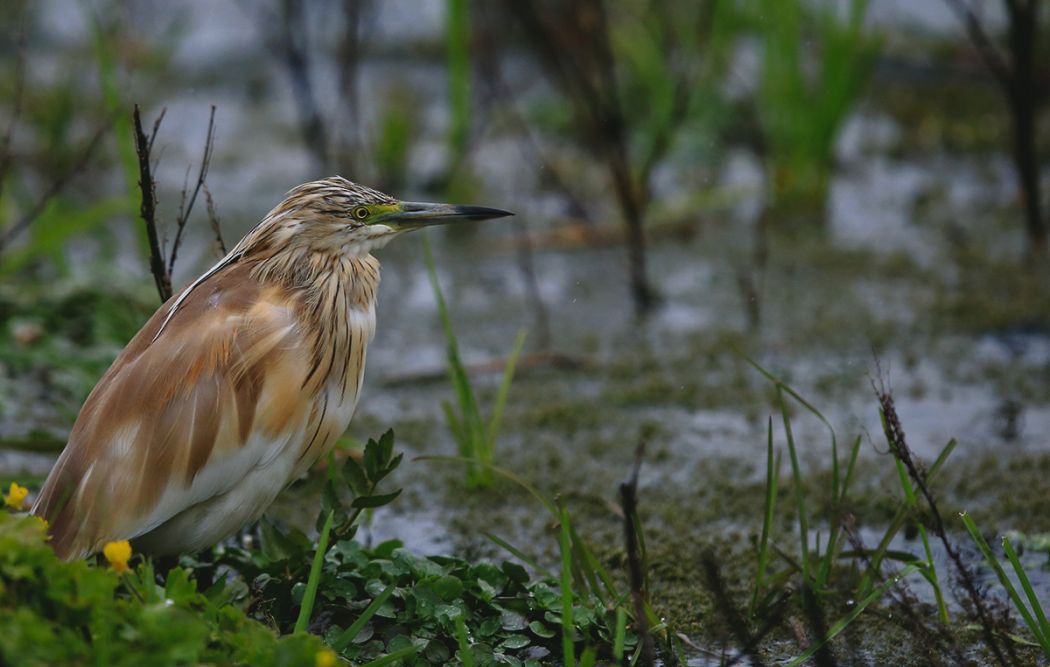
[(298, 590), (448, 587), (489, 627), (274, 544), (387, 548), (365, 502), (515, 642), (541, 630), (355, 476), (371, 459), (515, 572), (386, 447), (436, 651)]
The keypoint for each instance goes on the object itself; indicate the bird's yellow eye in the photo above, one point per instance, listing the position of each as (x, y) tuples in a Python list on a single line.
[(361, 212)]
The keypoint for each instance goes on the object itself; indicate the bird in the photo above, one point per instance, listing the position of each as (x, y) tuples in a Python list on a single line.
[(237, 384)]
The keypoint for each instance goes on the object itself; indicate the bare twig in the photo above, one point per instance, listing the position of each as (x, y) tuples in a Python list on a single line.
[(148, 208), (186, 207), (965, 576), (989, 54), (636, 570), (56, 186), (213, 219), (155, 129)]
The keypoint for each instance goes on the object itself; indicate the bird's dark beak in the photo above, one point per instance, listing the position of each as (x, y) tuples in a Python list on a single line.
[(413, 214)]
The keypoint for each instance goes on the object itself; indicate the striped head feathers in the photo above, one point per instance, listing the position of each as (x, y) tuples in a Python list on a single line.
[(331, 216)]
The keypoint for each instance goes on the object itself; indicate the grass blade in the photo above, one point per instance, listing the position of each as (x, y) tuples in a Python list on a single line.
[(391, 657), (844, 622), (1037, 606), (504, 388), (517, 553), (348, 635), (310, 595), (457, 35), (772, 473), (1018, 603), (796, 476), (621, 634), (465, 656), (901, 517), (780, 384), (467, 427), (942, 608), (567, 631)]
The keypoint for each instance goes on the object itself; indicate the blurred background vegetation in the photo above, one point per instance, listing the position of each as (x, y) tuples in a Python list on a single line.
[(808, 180)]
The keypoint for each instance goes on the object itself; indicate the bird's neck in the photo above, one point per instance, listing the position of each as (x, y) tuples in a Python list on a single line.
[(328, 277), (335, 295)]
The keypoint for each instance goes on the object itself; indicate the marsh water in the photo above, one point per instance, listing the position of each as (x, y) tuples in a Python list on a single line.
[(905, 287)]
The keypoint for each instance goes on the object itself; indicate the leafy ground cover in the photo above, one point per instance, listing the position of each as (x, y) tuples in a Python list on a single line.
[(292, 600)]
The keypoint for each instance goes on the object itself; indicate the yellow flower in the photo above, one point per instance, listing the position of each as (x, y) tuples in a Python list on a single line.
[(118, 554), (16, 497), (325, 658)]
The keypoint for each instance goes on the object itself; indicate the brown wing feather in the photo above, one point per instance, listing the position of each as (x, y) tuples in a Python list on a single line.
[(167, 408)]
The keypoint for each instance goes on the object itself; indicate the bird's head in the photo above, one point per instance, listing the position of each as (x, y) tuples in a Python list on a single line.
[(338, 216)]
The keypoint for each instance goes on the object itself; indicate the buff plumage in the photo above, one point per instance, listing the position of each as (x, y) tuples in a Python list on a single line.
[(237, 384)]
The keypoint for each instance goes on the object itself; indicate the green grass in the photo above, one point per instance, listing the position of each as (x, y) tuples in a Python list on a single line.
[(568, 639), (769, 509), (1032, 613), (315, 576), (457, 39), (290, 597), (833, 572), (475, 438), (816, 62)]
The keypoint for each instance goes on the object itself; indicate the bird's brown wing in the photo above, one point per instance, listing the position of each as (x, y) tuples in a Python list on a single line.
[(182, 417)]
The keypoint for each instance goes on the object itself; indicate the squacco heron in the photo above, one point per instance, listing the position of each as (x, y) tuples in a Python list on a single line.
[(238, 383)]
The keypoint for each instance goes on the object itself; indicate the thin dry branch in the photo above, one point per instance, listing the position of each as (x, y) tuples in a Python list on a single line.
[(989, 54), (213, 220), (148, 208), (185, 208)]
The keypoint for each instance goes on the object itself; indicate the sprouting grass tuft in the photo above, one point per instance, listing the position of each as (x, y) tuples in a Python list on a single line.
[(475, 439), (803, 103)]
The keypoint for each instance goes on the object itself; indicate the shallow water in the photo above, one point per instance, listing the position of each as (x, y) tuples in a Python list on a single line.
[(675, 382)]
